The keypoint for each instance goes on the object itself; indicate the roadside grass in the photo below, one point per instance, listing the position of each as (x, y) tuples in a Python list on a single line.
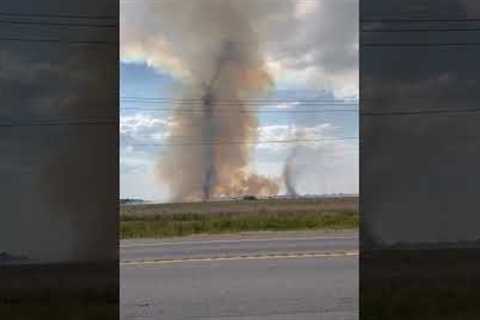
[(184, 224)]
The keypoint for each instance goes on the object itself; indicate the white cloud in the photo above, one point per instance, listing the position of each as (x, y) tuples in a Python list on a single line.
[(291, 133), (140, 122), (163, 59), (286, 105), (303, 9), (142, 128)]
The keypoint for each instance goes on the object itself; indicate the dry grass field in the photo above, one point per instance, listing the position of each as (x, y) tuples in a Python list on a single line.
[(243, 206), (230, 216)]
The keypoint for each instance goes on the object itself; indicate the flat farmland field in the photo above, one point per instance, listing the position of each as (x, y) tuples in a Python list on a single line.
[(231, 216)]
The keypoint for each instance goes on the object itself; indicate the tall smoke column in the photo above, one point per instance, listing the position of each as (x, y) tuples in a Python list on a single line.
[(210, 139)]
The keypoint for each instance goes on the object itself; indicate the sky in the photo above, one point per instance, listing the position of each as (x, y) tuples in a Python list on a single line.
[(308, 47)]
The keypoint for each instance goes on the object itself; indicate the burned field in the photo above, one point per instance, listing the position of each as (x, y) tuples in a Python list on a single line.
[(231, 216)]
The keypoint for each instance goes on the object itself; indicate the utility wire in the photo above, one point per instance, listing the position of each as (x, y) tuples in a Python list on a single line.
[(114, 122), (242, 111), (58, 123), (223, 100), (57, 16), (418, 45), (379, 113), (240, 142), (43, 23), (418, 30), (420, 112), (399, 20), (199, 104), (60, 41)]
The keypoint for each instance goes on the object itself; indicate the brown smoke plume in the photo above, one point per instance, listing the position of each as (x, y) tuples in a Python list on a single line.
[(210, 139)]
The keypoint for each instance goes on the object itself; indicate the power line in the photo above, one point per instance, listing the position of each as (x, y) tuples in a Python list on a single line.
[(195, 139), (58, 16), (399, 20), (389, 113), (235, 100), (43, 23), (418, 45), (418, 30), (419, 112), (60, 41), (243, 111), (244, 103), (248, 102), (229, 107), (58, 123), (242, 142)]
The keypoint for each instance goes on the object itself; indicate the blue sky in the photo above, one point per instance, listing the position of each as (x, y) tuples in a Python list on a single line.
[(152, 68)]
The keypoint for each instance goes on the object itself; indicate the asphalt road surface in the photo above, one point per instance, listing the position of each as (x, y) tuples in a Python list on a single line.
[(287, 276)]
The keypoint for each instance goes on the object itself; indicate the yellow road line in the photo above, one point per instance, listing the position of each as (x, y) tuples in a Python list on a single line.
[(215, 241), (240, 258)]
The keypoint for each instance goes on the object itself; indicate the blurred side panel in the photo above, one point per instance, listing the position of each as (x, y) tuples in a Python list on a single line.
[(420, 151), (59, 159)]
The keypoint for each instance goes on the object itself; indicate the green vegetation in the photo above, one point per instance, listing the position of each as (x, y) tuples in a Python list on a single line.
[(183, 224)]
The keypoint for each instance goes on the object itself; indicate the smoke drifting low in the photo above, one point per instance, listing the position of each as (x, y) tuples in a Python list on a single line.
[(210, 141)]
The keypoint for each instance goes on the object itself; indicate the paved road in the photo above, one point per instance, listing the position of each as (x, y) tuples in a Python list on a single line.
[(291, 276)]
